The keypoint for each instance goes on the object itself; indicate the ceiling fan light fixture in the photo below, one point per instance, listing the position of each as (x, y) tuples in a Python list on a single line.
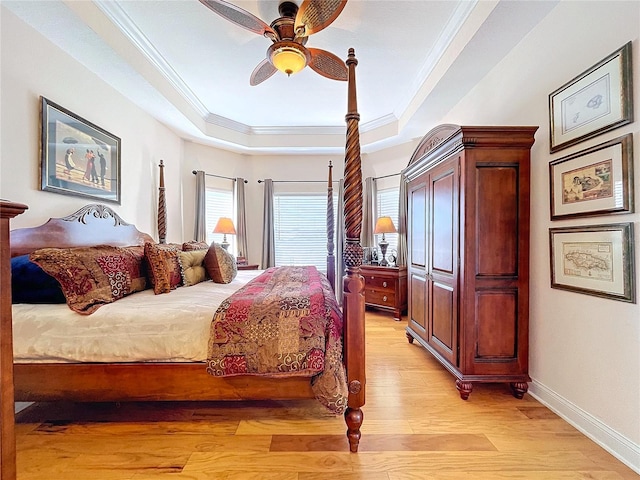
[(289, 57)]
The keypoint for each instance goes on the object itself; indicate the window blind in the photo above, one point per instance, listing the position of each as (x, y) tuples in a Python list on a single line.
[(300, 228), (219, 203), (387, 206)]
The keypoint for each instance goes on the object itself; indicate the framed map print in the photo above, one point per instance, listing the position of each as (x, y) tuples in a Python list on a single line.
[(596, 101), (595, 181), (594, 260)]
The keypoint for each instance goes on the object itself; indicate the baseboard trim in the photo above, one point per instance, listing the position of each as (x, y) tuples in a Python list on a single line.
[(613, 442)]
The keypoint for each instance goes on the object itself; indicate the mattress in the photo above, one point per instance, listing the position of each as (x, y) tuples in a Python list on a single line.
[(143, 327)]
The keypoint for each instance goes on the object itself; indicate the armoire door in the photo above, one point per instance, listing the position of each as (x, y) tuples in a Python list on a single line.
[(443, 259), (417, 245)]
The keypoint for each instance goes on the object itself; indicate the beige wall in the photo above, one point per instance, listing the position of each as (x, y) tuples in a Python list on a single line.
[(585, 351), (31, 66)]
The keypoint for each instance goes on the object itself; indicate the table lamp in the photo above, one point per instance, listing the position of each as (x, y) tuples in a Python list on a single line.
[(225, 226), (384, 225)]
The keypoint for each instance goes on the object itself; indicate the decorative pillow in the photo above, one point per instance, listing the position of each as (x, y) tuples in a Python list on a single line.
[(192, 267), (193, 245), (94, 276), (31, 284), (164, 267), (220, 264)]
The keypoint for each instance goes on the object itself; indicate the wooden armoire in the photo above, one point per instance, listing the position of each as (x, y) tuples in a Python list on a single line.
[(468, 252)]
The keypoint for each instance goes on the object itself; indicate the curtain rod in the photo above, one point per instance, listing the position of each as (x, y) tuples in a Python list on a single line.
[(386, 176), (217, 176), (300, 181)]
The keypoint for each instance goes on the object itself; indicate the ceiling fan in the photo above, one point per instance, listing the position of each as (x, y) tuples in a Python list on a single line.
[(289, 33)]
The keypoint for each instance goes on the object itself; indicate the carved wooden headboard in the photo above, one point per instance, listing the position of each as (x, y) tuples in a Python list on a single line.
[(93, 224)]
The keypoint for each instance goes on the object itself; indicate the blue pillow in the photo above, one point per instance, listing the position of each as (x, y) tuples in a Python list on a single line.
[(31, 284)]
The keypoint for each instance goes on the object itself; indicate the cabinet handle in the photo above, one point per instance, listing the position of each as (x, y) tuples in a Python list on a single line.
[(384, 299), (384, 284)]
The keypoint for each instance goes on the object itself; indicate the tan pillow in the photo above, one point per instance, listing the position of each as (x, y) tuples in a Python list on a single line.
[(163, 265), (220, 264), (94, 276), (193, 245), (192, 267)]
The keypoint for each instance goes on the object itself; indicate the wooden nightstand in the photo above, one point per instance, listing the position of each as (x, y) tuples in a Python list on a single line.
[(385, 288), (248, 267)]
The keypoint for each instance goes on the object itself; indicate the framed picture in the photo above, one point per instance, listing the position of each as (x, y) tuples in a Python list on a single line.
[(594, 102), (595, 181), (594, 260), (76, 156)]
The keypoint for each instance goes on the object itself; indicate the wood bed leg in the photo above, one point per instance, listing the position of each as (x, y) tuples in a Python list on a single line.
[(353, 418), (353, 283)]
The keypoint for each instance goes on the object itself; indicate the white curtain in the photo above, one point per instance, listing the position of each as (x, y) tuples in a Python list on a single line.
[(200, 230), (241, 218), (368, 213), (401, 258), (268, 235)]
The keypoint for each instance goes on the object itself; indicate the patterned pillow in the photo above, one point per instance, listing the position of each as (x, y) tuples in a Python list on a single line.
[(220, 264), (192, 267), (94, 276), (164, 267), (193, 245)]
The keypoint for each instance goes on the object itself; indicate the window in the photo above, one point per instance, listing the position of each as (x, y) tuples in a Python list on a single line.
[(219, 204), (300, 229), (387, 206)]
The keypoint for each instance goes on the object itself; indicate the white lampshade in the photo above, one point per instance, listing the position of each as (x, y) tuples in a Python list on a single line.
[(225, 225), (384, 225)]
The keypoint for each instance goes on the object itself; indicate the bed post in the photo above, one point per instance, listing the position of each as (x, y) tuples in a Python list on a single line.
[(353, 283), (162, 212), (331, 259)]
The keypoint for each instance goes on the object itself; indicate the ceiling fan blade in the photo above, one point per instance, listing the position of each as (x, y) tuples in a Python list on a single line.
[(239, 16), (315, 15), (327, 64), (263, 71)]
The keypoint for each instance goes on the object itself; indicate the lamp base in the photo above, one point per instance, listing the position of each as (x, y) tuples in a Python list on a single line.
[(383, 249), (224, 244)]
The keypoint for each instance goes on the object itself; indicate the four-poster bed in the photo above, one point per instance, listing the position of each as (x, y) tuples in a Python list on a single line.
[(157, 381)]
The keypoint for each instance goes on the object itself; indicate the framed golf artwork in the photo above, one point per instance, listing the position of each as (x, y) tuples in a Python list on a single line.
[(77, 157)]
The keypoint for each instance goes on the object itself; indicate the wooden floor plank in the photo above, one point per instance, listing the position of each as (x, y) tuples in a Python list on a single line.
[(382, 443)]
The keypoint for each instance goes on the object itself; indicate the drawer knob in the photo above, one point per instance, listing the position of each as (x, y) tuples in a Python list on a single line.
[(384, 299), (384, 284)]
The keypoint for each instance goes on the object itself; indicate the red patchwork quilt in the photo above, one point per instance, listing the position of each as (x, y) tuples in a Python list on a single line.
[(287, 322)]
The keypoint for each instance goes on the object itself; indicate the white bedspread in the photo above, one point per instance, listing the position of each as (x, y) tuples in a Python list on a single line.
[(140, 327)]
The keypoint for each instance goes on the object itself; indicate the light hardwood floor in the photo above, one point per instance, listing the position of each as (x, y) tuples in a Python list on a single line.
[(415, 427)]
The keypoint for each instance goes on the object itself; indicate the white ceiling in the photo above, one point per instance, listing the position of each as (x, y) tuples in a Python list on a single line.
[(190, 68)]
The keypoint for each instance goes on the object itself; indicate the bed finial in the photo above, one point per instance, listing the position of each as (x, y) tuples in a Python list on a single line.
[(353, 283), (162, 211)]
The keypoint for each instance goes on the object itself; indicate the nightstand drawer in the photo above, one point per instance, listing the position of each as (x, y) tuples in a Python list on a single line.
[(380, 282), (380, 297)]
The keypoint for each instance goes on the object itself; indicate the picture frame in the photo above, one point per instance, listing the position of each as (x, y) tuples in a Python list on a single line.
[(77, 157), (595, 181), (594, 260), (596, 101)]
